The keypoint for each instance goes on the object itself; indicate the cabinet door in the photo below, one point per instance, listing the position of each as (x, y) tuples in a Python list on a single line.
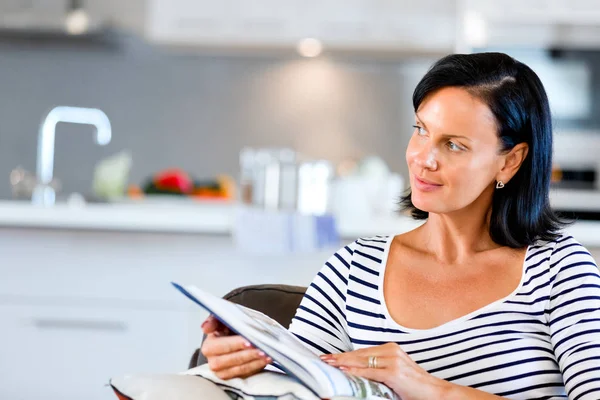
[(340, 24), (64, 353)]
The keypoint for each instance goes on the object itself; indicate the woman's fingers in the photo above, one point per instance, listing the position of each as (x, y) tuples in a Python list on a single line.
[(231, 360), (219, 345), (244, 370), (213, 325)]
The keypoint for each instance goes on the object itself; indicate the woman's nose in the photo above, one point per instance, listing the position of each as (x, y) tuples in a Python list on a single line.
[(427, 158)]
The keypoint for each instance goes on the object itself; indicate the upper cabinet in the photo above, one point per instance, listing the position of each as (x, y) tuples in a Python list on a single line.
[(404, 26), (387, 25), (530, 23)]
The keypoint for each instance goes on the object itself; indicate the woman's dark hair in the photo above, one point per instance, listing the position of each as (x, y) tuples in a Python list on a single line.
[(521, 212)]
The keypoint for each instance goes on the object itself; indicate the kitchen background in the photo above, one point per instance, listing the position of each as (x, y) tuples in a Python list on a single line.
[(193, 85)]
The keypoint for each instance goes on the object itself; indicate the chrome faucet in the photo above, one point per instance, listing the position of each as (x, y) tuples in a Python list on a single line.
[(43, 193)]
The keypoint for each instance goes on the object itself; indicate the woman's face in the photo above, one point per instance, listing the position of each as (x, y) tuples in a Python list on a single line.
[(453, 156)]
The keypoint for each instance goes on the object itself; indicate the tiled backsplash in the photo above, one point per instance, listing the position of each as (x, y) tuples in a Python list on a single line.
[(198, 111)]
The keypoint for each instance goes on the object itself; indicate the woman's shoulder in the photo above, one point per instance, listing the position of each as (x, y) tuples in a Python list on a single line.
[(564, 244), (563, 253), (365, 252)]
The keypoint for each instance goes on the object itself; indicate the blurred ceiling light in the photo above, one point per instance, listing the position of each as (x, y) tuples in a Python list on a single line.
[(475, 29), (77, 21), (309, 47)]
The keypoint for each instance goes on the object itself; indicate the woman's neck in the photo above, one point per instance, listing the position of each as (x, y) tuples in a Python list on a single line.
[(453, 238)]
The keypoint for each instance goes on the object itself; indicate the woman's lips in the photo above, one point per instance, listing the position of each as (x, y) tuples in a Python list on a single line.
[(424, 185)]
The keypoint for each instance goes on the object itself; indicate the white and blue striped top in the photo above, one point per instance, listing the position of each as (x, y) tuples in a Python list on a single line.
[(540, 342)]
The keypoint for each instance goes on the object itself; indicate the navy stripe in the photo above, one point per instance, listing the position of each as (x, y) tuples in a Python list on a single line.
[(332, 285), (573, 265), (335, 271), (580, 372), (367, 342), (316, 346), (535, 289), (537, 264), (371, 240), (363, 297), (529, 257), (349, 250), (308, 296), (574, 277), (528, 303), (368, 246), (316, 314), (490, 355), (363, 312), (469, 339), (491, 314), (585, 382), (572, 301), (569, 290), (342, 260), (364, 283), (481, 346), (492, 325), (544, 272), (583, 348), (329, 299), (368, 256), (517, 377), (587, 392), (369, 270), (528, 388), (564, 239), (319, 327), (583, 311), (373, 328), (559, 249), (579, 323), (564, 340), (499, 366)]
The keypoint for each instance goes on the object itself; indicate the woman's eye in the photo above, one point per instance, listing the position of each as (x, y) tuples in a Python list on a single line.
[(419, 129), (453, 146)]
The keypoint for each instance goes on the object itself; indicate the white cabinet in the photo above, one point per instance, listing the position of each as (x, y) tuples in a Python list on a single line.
[(80, 307), (396, 25), (71, 352), (539, 11), (531, 23)]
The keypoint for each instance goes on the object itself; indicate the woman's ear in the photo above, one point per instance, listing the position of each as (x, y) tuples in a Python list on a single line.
[(512, 162)]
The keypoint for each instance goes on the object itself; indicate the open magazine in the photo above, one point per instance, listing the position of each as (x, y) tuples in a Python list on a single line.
[(286, 350)]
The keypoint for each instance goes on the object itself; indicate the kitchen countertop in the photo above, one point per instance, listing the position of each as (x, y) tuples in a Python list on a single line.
[(205, 218)]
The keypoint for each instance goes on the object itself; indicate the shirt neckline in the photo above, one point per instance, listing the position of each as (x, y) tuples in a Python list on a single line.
[(450, 323)]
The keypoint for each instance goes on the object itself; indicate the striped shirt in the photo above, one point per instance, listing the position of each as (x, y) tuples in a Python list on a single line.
[(540, 342)]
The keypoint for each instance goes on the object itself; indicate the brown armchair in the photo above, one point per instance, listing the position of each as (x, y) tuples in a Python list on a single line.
[(277, 301)]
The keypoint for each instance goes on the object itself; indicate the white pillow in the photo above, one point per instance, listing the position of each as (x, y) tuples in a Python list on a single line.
[(166, 386), (265, 385), (197, 384)]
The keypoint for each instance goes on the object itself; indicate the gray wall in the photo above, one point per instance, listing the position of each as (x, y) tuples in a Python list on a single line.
[(197, 111)]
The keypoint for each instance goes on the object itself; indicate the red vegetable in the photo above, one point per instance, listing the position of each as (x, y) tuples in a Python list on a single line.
[(174, 180)]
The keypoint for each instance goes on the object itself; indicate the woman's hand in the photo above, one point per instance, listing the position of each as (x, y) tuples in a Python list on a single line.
[(394, 368), (230, 356), (390, 365)]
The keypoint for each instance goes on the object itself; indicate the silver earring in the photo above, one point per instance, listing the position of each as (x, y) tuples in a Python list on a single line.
[(499, 185)]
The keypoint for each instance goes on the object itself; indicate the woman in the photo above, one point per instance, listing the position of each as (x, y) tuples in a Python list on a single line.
[(486, 299)]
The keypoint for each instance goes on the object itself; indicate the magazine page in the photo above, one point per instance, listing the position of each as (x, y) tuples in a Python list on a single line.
[(287, 350)]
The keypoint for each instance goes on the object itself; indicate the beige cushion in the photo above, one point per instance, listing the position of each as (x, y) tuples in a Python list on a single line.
[(166, 386)]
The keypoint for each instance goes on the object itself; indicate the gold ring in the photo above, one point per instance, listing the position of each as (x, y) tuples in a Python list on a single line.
[(372, 362)]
